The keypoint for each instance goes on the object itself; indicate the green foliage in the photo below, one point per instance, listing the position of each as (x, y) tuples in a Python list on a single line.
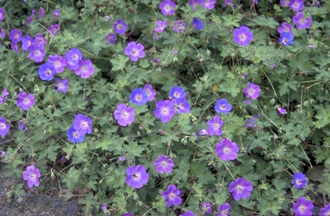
[(209, 65)]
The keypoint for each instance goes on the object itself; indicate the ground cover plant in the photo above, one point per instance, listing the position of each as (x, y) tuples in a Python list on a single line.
[(200, 107)]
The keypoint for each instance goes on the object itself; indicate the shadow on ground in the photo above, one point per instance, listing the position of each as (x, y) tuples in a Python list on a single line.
[(32, 204)]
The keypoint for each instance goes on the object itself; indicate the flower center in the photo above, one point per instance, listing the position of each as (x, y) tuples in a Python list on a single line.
[(2, 126), (302, 208), (226, 150), (33, 176), (136, 176), (223, 107), (242, 37), (75, 134), (26, 101), (164, 163), (298, 182), (164, 111), (251, 91), (216, 125), (138, 97)]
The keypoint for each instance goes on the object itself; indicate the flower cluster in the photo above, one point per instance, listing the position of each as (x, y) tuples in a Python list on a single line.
[(226, 150), (136, 176), (240, 188), (252, 91), (4, 126), (81, 126), (3, 96), (243, 35), (25, 101), (165, 110), (163, 164), (32, 175), (222, 106), (303, 207), (172, 196)]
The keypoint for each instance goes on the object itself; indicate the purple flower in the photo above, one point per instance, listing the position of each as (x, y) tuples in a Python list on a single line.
[(139, 96), (46, 71), (286, 39), (273, 66), (21, 125), (177, 92), (32, 175), (3, 153), (193, 4), (82, 124), (163, 164), (227, 150), (203, 132), (325, 211), (161, 25), (31, 17), (134, 51), (15, 35), (41, 13), (208, 4), (74, 136), (58, 62), (128, 214), (53, 29), (285, 3), (206, 208), (84, 68), (243, 35), (250, 123), (111, 38), (2, 14), (3, 96), (181, 105), (122, 158), (188, 213), (255, 1), (27, 42), (172, 196), (14, 47), (302, 22), (179, 26), (303, 207), (151, 93), (240, 188), (137, 176), (167, 7), (124, 114), (285, 27), (62, 85), (299, 180), (56, 13), (224, 209), (73, 57), (63, 158), (281, 110), (2, 33), (25, 101), (103, 206), (120, 26), (297, 5), (214, 126), (40, 41), (4, 126), (36, 53), (198, 24), (222, 106), (252, 91), (107, 18), (227, 2), (164, 110)]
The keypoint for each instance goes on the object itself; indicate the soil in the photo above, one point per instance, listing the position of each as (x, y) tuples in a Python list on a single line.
[(33, 203)]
